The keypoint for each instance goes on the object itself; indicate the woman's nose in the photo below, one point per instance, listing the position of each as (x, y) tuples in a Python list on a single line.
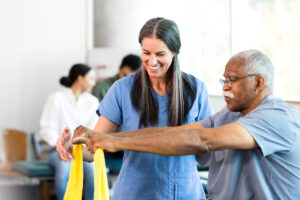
[(153, 61)]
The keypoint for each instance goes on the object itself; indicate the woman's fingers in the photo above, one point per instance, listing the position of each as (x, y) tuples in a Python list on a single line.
[(66, 133), (62, 145), (63, 156), (59, 145)]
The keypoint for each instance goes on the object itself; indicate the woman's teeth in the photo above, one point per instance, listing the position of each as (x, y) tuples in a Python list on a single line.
[(156, 67)]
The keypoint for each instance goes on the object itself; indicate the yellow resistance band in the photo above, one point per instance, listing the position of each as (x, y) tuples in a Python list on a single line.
[(75, 183), (101, 185)]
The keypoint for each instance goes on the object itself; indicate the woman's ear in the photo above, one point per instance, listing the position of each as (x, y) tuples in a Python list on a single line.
[(79, 78)]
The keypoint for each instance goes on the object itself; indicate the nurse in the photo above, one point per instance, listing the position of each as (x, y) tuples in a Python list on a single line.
[(158, 95)]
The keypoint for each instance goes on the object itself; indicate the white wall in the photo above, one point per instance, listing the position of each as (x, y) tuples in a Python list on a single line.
[(106, 60), (39, 41), (118, 23)]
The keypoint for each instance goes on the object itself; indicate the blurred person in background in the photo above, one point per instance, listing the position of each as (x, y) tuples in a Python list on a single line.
[(130, 64), (64, 111)]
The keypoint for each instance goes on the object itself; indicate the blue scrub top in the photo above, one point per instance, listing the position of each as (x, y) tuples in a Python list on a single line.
[(145, 175)]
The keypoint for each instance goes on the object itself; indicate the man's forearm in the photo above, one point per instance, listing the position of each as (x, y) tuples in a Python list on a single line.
[(152, 130), (140, 132), (174, 142)]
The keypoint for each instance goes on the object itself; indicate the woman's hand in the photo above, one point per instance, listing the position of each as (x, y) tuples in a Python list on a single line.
[(81, 135), (64, 146), (101, 140)]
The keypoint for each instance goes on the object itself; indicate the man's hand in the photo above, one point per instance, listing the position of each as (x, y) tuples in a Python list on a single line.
[(100, 140), (81, 135), (64, 145)]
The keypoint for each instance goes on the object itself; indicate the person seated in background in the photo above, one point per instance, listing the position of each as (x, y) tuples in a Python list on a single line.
[(253, 145), (70, 107), (130, 64)]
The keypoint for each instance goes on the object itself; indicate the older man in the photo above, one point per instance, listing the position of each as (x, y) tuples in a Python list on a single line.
[(253, 144)]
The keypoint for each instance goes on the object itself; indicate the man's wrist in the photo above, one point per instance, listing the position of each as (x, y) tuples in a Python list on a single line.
[(119, 143), (90, 133)]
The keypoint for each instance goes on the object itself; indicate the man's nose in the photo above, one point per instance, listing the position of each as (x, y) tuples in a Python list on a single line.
[(226, 86)]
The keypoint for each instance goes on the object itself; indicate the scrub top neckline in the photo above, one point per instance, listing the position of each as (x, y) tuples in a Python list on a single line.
[(161, 96), (158, 95)]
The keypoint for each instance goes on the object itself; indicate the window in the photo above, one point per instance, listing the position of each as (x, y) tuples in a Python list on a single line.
[(223, 28), (273, 27)]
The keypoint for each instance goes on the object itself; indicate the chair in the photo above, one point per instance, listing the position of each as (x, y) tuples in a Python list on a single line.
[(13, 161), (14, 146), (38, 169)]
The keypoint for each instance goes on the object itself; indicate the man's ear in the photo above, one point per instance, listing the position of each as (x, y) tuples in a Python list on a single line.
[(260, 83)]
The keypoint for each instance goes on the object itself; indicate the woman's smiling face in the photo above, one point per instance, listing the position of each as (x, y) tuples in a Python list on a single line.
[(156, 57)]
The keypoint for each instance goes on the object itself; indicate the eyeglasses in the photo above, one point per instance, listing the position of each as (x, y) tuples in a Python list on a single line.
[(229, 82)]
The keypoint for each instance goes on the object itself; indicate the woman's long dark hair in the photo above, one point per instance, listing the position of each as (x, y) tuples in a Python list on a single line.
[(182, 89), (75, 71)]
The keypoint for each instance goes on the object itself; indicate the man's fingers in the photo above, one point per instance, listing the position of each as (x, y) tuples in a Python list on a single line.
[(79, 140), (94, 149), (89, 147)]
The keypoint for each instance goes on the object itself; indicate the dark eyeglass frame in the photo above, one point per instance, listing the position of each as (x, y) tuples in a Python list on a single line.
[(229, 82)]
